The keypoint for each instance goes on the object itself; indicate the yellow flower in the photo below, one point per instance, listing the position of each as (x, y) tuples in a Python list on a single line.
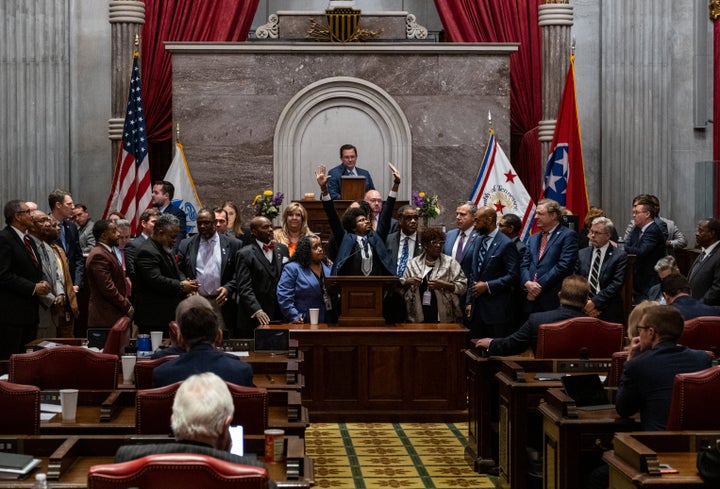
[(422, 195), (268, 193), (257, 197)]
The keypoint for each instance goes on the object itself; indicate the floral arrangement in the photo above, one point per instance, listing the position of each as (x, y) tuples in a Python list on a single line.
[(268, 204), (428, 206)]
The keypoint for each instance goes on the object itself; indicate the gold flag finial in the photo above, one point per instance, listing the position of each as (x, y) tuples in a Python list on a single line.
[(177, 131)]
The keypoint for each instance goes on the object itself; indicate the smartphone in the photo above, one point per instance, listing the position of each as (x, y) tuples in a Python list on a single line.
[(236, 438), (666, 469)]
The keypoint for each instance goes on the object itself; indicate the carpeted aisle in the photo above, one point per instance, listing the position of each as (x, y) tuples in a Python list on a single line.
[(391, 455)]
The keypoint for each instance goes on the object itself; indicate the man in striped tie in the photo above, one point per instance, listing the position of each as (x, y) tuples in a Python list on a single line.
[(603, 264)]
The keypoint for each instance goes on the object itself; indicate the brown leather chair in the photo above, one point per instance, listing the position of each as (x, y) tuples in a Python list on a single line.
[(693, 396), (582, 337), (65, 367), (144, 369), (179, 471), (20, 408), (118, 338), (153, 408), (702, 333)]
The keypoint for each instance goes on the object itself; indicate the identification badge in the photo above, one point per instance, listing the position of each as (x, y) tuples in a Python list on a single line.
[(328, 302), (427, 298)]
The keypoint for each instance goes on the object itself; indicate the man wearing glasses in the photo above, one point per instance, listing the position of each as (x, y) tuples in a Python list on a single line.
[(647, 243)]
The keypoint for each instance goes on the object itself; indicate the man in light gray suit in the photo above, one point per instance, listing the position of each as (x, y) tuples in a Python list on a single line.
[(704, 276)]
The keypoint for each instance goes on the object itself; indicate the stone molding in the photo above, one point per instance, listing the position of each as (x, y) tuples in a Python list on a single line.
[(129, 11), (555, 14), (269, 30), (415, 30)]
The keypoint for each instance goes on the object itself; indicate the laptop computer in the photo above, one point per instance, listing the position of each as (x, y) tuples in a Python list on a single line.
[(587, 391), (97, 337), (272, 340)]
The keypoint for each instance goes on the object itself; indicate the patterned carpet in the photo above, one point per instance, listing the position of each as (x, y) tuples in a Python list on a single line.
[(391, 455)]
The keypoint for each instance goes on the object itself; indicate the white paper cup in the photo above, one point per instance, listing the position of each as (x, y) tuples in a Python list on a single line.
[(68, 403), (155, 339), (314, 315), (128, 368)]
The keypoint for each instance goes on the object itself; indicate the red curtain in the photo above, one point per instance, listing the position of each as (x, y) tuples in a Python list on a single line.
[(508, 21), (182, 20)]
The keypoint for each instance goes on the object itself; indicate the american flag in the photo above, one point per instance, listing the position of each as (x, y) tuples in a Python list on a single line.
[(131, 186)]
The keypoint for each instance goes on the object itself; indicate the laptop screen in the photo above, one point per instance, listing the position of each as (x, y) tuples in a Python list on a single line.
[(272, 340), (97, 337), (585, 389)]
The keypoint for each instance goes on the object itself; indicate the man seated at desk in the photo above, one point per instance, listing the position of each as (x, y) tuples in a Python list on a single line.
[(573, 296), (199, 332), (201, 415)]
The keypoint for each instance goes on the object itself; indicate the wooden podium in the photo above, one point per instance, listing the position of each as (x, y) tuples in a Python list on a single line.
[(361, 298), (352, 188)]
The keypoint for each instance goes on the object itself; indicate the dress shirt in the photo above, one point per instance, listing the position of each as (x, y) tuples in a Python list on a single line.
[(411, 245), (208, 265), (465, 234), (268, 253), (709, 250)]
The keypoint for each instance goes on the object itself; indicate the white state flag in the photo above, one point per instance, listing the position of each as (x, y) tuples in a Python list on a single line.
[(498, 186), (186, 197)]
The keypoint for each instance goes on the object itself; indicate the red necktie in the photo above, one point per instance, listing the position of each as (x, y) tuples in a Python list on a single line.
[(28, 247), (269, 247), (543, 244)]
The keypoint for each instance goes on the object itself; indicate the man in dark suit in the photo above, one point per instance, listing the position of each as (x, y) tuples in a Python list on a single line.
[(704, 276), (209, 257), (573, 296), (647, 243), (147, 224), (511, 225), (408, 233), (202, 401), (199, 333), (259, 266), (550, 256), (162, 194), (61, 210), (676, 291), (654, 360), (159, 285), (604, 266), (20, 281), (494, 274), (458, 239), (105, 279), (347, 167)]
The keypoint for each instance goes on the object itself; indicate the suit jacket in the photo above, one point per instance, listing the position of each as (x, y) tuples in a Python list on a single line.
[(188, 253), (612, 277), (257, 281), (130, 251), (75, 257), (50, 272), (558, 261), (334, 185), (105, 279), (87, 240), (299, 290), (18, 276), (180, 214), (526, 336), (648, 247), (691, 308), (704, 278), (156, 287), (501, 270), (647, 382), (200, 359), (392, 243), (448, 301)]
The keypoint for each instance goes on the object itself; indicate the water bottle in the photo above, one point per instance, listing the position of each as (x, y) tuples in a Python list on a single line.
[(40, 481)]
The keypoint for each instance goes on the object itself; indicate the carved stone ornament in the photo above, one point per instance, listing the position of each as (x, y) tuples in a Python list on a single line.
[(714, 9), (415, 30), (269, 30), (343, 25)]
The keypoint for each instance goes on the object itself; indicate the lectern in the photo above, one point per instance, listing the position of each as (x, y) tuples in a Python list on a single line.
[(361, 298), (352, 188)]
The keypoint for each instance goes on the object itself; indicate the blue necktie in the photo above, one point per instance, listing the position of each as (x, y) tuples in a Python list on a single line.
[(481, 252), (403, 258)]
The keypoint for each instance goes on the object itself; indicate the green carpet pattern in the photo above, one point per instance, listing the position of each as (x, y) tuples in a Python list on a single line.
[(391, 455)]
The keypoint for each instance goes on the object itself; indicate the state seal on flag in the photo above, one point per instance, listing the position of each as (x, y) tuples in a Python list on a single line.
[(501, 198)]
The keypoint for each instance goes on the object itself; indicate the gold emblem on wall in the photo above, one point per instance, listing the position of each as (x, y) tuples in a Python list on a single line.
[(714, 9), (343, 25)]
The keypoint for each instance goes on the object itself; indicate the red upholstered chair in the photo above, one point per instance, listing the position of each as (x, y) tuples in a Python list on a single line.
[(693, 398), (566, 339), (153, 408), (179, 471), (20, 408), (617, 363), (118, 338), (65, 367), (702, 333), (144, 370)]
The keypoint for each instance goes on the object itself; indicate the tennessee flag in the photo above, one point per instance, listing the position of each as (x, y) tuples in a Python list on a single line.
[(565, 173)]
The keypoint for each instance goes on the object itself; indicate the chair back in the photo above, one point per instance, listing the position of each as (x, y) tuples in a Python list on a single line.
[(179, 471), (118, 338), (582, 337), (65, 367), (702, 333), (693, 396), (144, 370), (20, 408), (153, 408), (617, 364)]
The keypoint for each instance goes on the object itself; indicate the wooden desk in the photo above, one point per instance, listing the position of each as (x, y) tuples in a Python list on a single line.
[(406, 372), (520, 395), (575, 439), (66, 460), (634, 461)]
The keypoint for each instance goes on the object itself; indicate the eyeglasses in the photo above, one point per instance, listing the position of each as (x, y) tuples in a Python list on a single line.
[(437, 242), (643, 327)]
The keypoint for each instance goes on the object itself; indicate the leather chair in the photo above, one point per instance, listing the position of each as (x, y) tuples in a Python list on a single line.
[(617, 363), (702, 333), (144, 370), (20, 408), (118, 338), (65, 367), (693, 396), (179, 471), (581, 337), (153, 408)]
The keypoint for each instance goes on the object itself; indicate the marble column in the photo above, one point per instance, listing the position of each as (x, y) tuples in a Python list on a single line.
[(126, 20), (714, 7), (555, 19)]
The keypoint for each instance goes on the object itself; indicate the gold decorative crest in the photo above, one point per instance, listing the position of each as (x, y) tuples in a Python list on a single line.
[(714, 7), (343, 25)]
